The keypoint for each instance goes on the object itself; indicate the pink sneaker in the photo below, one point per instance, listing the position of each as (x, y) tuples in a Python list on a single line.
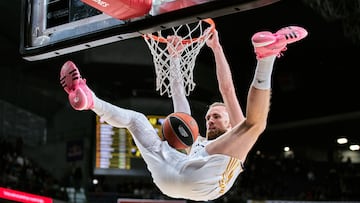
[(268, 44), (80, 96)]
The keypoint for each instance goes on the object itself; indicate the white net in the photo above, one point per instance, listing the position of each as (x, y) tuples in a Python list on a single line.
[(192, 39)]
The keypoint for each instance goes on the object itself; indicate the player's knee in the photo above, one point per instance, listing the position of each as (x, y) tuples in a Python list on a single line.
[(139, 116)]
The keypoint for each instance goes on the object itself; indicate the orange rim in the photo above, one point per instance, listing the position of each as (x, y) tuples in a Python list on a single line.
[(185, 41)]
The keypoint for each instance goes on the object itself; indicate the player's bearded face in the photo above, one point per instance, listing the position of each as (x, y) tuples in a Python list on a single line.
[(217, 122), (214, 133)]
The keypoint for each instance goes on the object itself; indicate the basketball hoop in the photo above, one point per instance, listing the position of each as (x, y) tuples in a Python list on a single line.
[(185, 46)]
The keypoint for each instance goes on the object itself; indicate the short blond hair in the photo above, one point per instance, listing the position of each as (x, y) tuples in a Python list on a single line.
[(216, 104)]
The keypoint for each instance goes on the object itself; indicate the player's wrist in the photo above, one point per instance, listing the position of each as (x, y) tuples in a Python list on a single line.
[(217, 48)]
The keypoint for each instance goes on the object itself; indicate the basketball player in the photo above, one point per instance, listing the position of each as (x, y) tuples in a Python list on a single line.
[(212, 166)]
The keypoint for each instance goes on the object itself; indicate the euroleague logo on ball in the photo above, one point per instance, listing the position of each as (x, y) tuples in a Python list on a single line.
[(183, 131), (180, 130)]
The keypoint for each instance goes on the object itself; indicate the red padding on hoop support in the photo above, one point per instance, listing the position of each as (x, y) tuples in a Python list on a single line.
[(121, 9), (176, 5)]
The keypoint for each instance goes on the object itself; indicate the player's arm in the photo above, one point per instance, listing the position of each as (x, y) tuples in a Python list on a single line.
[(178, 96), (225, 81), (180, 102)]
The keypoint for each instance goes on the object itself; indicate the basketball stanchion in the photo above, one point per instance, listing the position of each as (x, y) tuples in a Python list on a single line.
[(192, 38)]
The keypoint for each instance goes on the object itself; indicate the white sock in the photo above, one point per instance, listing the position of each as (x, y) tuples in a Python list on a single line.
[(98, 105), (263, 72)]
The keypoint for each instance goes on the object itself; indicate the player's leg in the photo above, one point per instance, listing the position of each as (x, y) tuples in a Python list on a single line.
[(137, 123), (267, 47), (82, 98), (240, 139)]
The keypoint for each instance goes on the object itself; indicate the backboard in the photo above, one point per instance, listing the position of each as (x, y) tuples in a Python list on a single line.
[(52, 28)]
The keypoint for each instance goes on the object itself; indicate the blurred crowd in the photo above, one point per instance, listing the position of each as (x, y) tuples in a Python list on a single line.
[(19, 172)]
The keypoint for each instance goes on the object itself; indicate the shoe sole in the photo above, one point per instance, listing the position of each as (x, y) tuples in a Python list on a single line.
[(69, 76), (292, 34), (268, 44)]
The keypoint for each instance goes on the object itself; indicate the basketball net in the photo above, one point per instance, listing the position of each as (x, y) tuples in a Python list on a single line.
[(185, 45)]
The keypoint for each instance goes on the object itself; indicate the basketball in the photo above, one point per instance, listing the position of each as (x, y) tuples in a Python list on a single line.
[(180, 130)]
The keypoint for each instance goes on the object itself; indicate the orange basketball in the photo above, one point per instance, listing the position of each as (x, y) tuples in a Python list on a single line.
[(180, 130)]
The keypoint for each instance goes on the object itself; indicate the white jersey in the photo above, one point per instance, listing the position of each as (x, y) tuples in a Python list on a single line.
[(197, 176)]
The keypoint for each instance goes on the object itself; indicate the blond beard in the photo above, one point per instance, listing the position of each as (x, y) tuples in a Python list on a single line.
[(214, 133)]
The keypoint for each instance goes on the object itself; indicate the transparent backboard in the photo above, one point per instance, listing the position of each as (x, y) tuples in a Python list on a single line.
[(52, 28)]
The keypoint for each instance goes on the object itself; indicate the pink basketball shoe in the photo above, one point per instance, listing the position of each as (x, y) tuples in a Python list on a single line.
[(80, 96), (268, 44)]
